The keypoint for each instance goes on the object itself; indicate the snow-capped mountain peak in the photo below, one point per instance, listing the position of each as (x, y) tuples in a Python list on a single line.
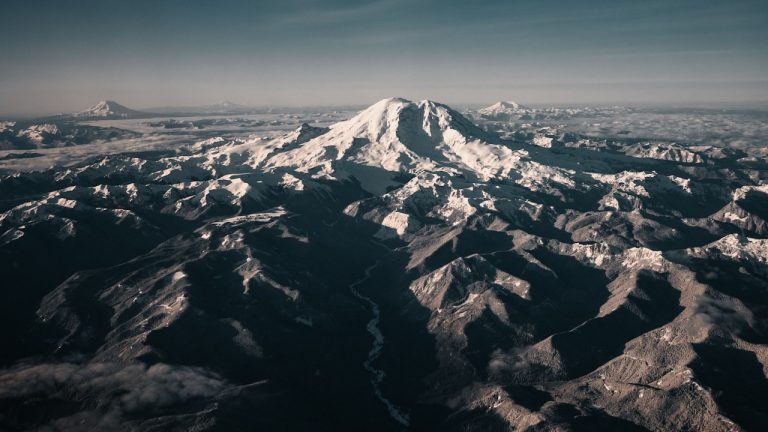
[(107, 109), (396, 135), (407, 122), (501, 108), (227, 104)]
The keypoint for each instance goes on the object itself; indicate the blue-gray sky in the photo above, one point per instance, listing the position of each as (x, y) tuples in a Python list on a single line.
[(65, 55)]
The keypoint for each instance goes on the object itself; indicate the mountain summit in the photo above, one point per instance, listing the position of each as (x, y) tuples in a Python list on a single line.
[(396, 135), (227, 104), (407, 121), (109, 109), (500, 110)]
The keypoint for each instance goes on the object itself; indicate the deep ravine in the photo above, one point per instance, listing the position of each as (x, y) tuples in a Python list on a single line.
[(377, 375)]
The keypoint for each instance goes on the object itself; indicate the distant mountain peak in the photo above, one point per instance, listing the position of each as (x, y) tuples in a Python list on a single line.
[(507, 104), (501, 108), (107, 109), (225, 103)]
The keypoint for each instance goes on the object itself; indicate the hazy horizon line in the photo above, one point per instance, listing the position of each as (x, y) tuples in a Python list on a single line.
[(714, 104)]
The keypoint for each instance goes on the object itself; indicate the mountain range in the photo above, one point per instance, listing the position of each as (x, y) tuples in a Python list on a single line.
[(405, 269)]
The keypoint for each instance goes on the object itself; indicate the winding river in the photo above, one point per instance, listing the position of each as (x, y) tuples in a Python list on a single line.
[(377, 375)]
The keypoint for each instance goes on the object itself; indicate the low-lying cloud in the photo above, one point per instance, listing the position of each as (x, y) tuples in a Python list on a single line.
[(109, 393)]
